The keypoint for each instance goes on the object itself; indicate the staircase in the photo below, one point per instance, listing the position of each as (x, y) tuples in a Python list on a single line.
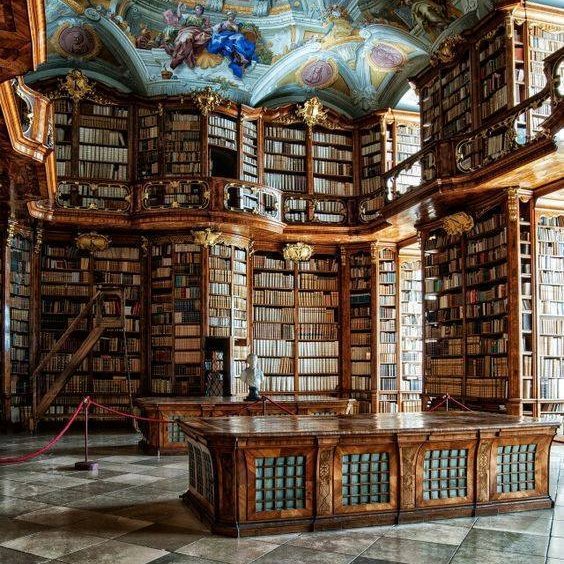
[(101, 322)]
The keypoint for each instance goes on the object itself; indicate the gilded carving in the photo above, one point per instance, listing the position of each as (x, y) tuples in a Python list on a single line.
[(512, 204), (446, 53), (207, 100), (324, 483), (298, 252), (92, 242), (374, 252), (458, 223), (483, 485)]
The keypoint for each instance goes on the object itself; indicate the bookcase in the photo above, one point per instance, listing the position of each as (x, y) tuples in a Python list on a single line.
[(332, 162), (550, 317), (106, 196), (386, 330), (285, 157), (456, 96), (148, 143), (223, 133), (478, 308), (117, 370), (63, 117), (361, 325), (175, 194), (371, 143), (182, 143), (296, 322), (18, 319), (103, 142), (66, 286), (410, 331), (250, 151)]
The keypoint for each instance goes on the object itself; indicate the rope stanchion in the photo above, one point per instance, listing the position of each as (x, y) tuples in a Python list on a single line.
[(446, 399), (52, 442), (264, 398)]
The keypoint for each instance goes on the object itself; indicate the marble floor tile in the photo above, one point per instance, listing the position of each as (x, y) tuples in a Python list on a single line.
[(234, 551), (501, 541), (471, 554), (11, 488), (53, 543), (557, 529), (166, 537), (175, 558), (113, 552), (287, 554), (107, 526), (429, 532), (410, 551), (16, 557), (556, 547), (13, 506), (55, 516), (12, 529), (133, 479), (531, 523), (351, 541)]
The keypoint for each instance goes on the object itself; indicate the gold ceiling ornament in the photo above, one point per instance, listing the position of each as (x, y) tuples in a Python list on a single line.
[(77, 85), (313, 113), (446, 52), (207, 100), (458, 223), (207, 237), (298, 252), (92, 242)]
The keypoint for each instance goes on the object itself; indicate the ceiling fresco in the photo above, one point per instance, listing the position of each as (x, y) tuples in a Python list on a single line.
[(356, 55)]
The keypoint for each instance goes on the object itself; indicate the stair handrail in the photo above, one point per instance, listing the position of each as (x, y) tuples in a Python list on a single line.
[(63, 338)]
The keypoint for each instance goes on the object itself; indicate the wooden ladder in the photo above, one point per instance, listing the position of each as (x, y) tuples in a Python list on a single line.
[(100, 325)]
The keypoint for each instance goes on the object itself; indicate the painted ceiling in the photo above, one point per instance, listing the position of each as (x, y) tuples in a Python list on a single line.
[(356, 56)]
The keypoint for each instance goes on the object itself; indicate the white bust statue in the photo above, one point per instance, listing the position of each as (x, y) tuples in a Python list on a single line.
[(253, 376)]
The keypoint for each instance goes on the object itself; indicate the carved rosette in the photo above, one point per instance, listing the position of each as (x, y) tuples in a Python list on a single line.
[(324, 483), (407, 472), (483, 477)]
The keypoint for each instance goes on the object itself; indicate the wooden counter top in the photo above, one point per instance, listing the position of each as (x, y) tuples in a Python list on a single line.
[(230, 400), (385, 423)]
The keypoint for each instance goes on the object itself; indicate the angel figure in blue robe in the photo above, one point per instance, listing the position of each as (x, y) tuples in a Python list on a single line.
[(227, 40)]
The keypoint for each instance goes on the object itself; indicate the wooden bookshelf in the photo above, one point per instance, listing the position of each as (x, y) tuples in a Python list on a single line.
[(106, 196), (182, 143), (410, 331), (332, 162), (387, 329), (371, 166), (250, 151), (63, 111), (550, 296), (361, 326), (148, 164), (285, 158), (103, 137), (175, 194), (19, 319)]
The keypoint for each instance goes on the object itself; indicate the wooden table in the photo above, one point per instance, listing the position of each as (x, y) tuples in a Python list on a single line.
[(264, 475), (169, 439)]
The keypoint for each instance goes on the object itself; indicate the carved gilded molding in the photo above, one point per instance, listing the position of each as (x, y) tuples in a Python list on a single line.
[(325, 482), (408, 459), (483, 471), (458, 223)]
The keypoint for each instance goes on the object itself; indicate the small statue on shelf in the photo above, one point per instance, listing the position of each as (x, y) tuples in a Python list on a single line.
[(253, 376)]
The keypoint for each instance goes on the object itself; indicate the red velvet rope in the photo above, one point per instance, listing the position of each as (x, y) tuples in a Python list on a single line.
[(52, 442), (130, 415), (445, 399)]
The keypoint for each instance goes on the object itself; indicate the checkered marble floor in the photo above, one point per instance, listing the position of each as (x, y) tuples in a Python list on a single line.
[(129, 513)]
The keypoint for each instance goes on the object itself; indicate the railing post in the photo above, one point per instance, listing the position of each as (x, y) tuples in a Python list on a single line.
[(86, 464)]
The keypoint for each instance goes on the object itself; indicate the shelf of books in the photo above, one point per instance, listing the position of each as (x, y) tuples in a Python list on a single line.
[(19, 313), (274, 332), (107, 196), (63, 110), (550, 296), (175, 194), (492, 67), (222, 132), (103, 138), (162, 318), (249, 151), (430, 107), (386, 330), (371, 143), (318, 324), (407, 142), (187, 318), (527, 328), (332, 162), (456, 97), (411, 326), (285, 158), (66, 286), (227, 313), (148, 143), (443, 322), (117, 368), (182, 143), (486, 262), (361, 316)]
